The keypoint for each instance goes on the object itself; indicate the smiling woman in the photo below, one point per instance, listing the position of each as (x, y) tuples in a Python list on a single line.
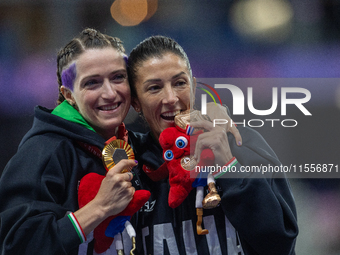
[(101, 91), (163, 86), (39, 210), (256, 215)]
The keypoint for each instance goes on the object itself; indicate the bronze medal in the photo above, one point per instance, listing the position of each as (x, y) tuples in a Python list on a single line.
[(183, 119), (115, 151), (188, 163)]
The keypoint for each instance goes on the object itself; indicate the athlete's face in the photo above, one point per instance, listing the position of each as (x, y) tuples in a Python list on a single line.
[(163, 88), (101, 90)]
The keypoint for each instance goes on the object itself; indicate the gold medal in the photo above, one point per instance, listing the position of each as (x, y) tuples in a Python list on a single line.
[(115, 151), (188, 163)]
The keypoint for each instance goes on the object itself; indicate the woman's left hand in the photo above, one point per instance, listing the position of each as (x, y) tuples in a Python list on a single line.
[(216, 139)]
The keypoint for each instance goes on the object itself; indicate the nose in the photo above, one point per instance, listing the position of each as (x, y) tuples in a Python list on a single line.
[(170, 95), (108, 91)]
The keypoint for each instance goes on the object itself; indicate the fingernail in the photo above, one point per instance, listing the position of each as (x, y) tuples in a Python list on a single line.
[(130, 176), (136, 162), (239, 143)]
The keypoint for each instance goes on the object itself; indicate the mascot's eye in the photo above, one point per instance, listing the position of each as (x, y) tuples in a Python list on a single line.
[(168, 155), (181, 142)]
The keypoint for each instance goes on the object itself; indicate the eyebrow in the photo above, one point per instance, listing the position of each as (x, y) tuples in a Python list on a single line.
[(158, 80), (98, 75), (177, 75)]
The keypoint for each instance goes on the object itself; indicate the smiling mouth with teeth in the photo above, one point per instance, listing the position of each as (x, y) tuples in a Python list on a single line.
[(109, 108), (170, 115)]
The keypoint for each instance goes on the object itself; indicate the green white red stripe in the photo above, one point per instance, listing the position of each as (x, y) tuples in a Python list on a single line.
[(226, 168), (77, 227)]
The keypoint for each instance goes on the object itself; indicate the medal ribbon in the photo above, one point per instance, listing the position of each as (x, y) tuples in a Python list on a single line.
[(122, 134)]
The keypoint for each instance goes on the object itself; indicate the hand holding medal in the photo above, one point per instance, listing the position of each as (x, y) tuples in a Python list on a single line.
[(114, 151), (92, 184)]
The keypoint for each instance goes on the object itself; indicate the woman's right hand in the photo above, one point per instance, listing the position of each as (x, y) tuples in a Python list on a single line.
[(114, 195), (216, 111), (116, 190)]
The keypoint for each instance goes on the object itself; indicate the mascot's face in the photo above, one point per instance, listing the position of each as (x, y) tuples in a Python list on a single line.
[(175, 144), (177, 155)]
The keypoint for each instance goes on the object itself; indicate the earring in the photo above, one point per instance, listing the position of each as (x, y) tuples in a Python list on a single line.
[(138, 111), (140, 114)]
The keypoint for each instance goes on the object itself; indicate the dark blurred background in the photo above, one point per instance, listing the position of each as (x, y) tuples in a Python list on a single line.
[(223, 39)]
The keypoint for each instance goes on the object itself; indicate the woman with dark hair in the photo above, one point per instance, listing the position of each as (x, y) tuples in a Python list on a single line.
[(257, 214), (39, 212)]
